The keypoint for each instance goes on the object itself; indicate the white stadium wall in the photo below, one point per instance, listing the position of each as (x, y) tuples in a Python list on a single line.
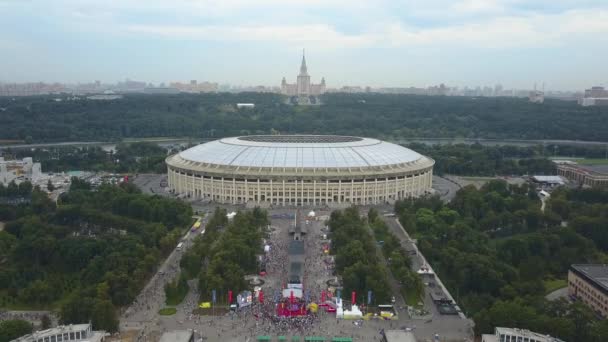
[(299, 170)]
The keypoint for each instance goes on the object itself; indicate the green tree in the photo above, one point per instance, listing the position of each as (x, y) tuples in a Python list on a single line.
[(13, 328)]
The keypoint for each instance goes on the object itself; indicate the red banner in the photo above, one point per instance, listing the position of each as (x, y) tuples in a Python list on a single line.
[(353, 296), (291, 297), (229, 296), (261, 297)]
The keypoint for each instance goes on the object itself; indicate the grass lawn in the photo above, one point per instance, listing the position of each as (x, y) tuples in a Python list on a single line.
[(555, 284), (167, 311), (596, 161)]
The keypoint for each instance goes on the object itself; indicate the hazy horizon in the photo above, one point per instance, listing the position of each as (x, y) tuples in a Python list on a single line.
[(349, 42)]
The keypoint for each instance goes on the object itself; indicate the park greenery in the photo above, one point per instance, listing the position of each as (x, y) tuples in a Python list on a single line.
[(87, 255), (393, 117), (227, 252), (482, 160), (356, 257), (399, 261), (11, 329), (495, 250), (136, 157), (176, 290)]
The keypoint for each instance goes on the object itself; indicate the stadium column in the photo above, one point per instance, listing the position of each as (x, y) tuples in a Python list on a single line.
[(259, 192), (352, 191), (246, 190), (364, 192), (326, 191), (284, 194), (233, 190), (222, 194), (385, 189), (375, 190), (202, 191), (271, 191), (193, 184), (396, 188), (180, 183), (212, 189), (314, 192), (339, 191), (302, 192)]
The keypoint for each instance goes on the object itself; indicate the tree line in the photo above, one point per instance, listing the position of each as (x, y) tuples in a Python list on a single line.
[(137, 157), (89, 254), (42, 119), (356, 258), (399, 261), (228, 251), (496, 251)]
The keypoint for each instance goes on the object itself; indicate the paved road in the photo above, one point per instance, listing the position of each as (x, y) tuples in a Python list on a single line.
[(449, 326), (445, 188), (143, 313), (559, 293)]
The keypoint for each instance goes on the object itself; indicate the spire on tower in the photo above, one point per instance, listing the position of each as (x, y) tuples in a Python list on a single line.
[(303, 68)]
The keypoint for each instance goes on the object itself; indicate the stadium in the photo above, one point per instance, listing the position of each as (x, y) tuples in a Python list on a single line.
[(298, 170)]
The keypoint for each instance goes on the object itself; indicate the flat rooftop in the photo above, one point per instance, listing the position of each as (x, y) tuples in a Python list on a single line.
[(597, 274)]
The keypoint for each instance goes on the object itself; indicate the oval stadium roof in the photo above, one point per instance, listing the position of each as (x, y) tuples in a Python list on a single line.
[(300, 151)]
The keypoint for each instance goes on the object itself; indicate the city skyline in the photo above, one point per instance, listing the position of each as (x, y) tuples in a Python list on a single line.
[(378, 44)]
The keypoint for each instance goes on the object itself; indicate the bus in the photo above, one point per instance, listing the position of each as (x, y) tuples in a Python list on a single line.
[(179, 246)]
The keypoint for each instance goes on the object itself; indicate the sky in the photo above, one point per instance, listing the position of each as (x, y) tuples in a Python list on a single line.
[(563, 43)]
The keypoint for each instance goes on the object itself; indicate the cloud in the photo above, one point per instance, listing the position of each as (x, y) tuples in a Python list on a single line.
[(497, 33)]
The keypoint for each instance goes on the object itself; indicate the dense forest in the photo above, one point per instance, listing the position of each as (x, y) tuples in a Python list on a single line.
[(43, 119), (498, 252), (89, 254)]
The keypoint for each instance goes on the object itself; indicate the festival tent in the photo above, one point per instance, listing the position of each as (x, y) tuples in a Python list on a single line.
[(263, 338), (342, 339), (315, 339)]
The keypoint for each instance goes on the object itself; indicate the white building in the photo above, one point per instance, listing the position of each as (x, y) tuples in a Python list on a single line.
[(302, 87), (76, 332), (596, 96), (11, 170), (516, 335)]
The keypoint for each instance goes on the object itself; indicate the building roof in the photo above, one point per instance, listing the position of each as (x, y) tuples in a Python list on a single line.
[(91, 336), (399, 336), (596, 274), (548, 179), (176, 336), (525, 333), (300, 151)]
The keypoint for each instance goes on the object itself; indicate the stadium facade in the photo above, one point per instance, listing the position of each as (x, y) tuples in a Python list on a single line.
[(299, 170)]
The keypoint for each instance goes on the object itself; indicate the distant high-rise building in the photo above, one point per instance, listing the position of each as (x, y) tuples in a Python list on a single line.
[(302, 87), (596, 96)]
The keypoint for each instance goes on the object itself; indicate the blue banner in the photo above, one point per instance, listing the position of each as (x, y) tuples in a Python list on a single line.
[(339, 294), (213, 296), (369, 297)]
